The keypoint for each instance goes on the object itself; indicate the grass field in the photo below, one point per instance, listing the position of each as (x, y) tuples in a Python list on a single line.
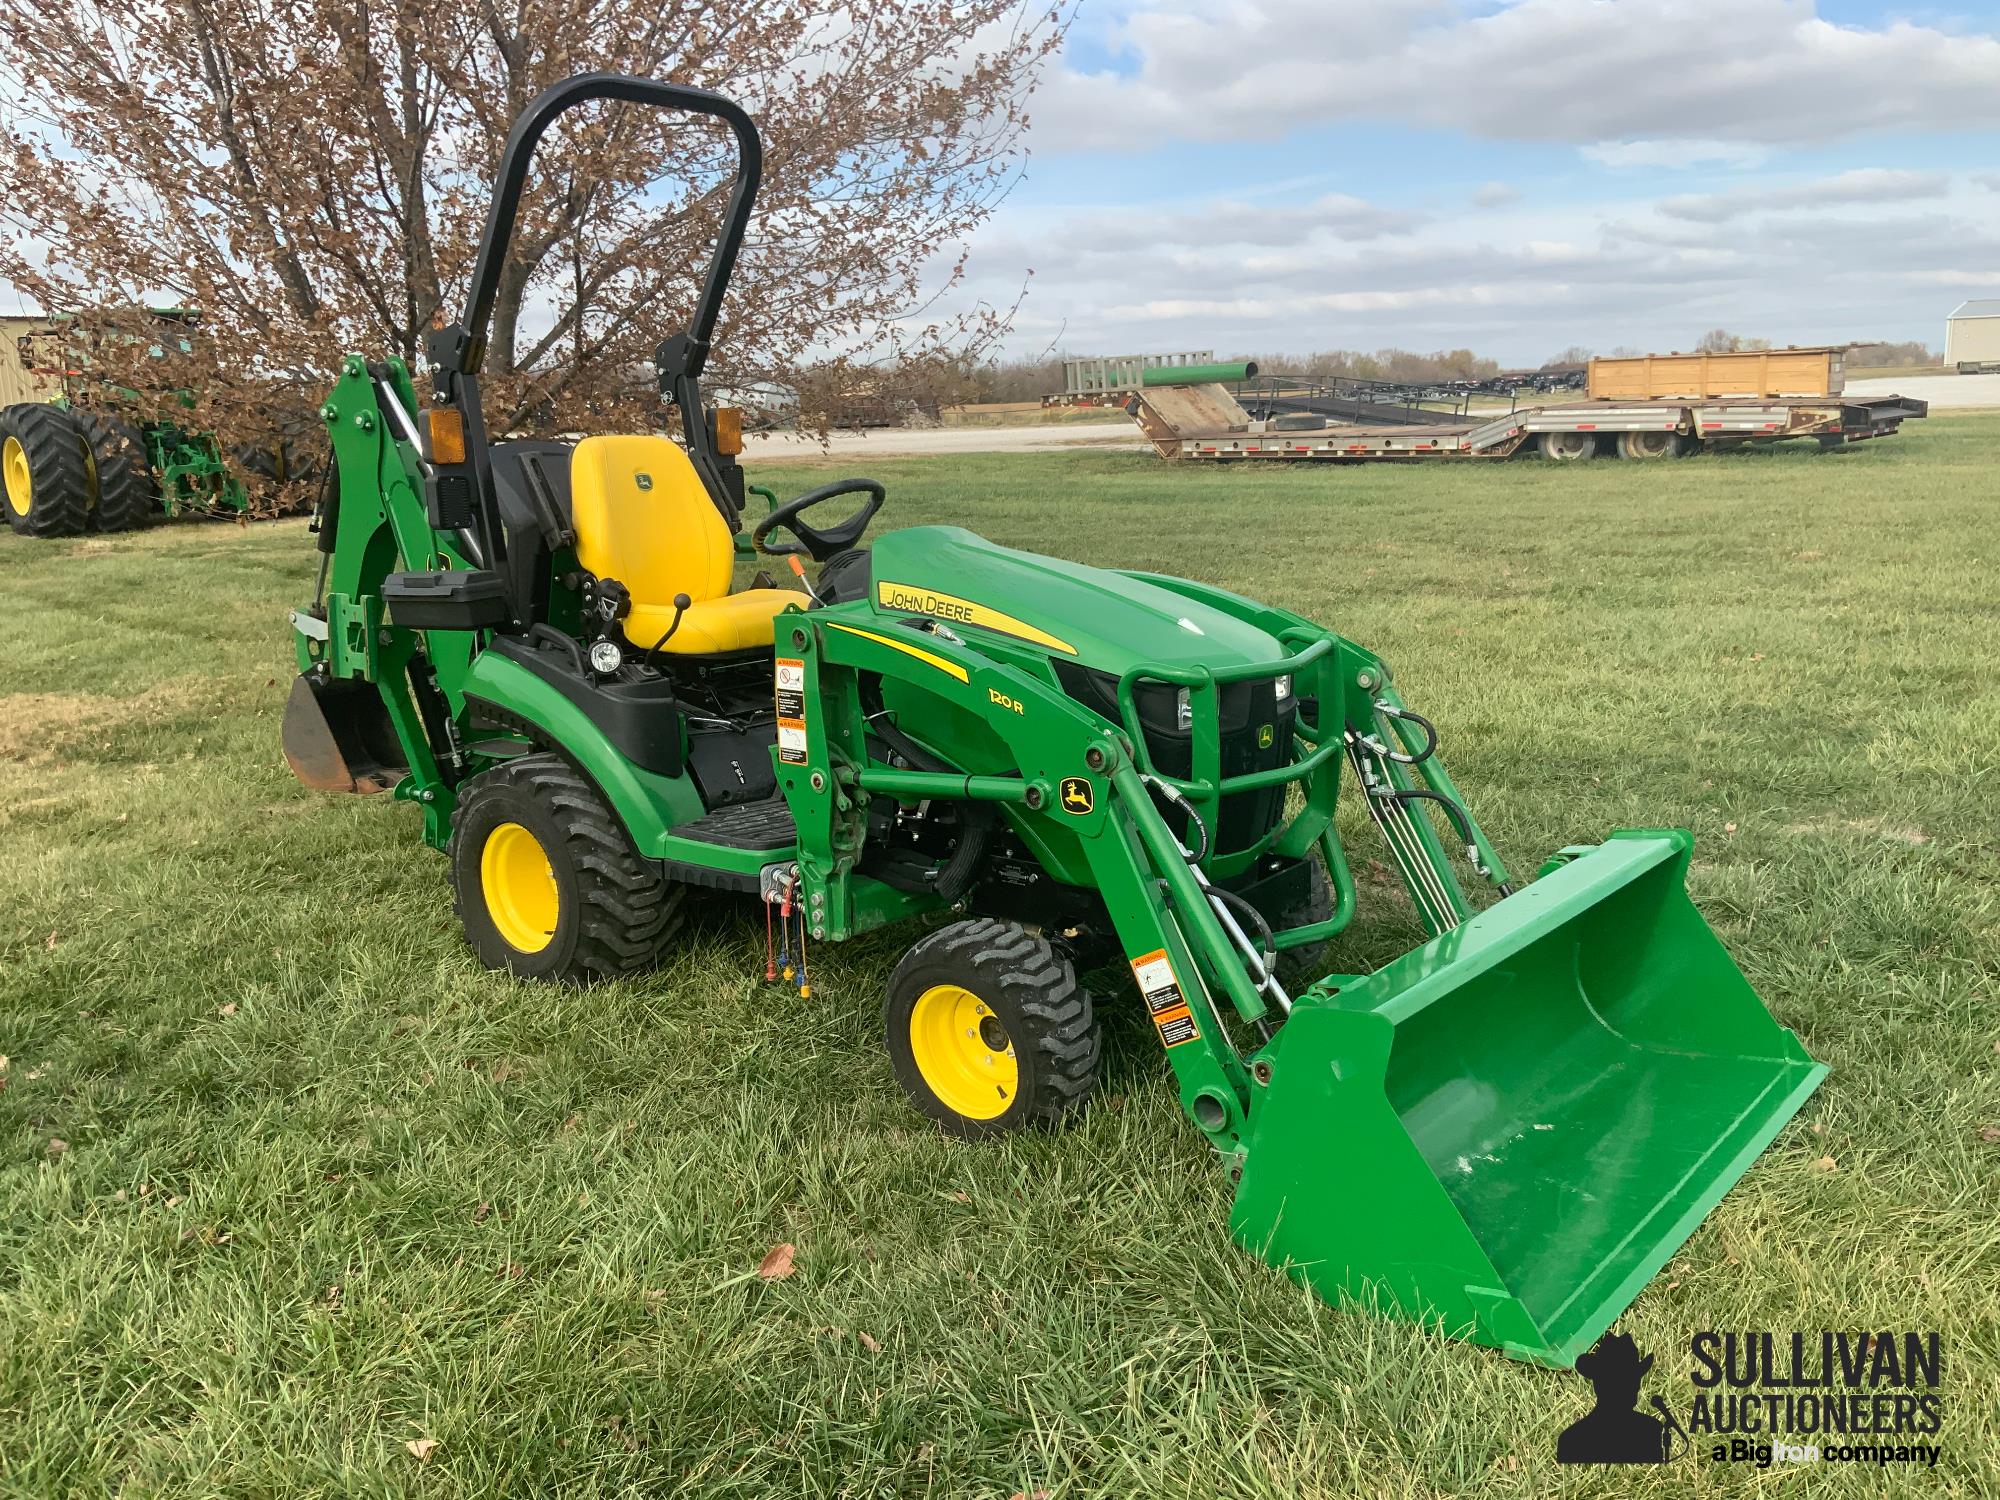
[(290, 1185)]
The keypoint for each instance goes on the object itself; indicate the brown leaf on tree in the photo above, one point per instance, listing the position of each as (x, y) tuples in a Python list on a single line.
[(777, 1265), (319, 186), (421, 1449)]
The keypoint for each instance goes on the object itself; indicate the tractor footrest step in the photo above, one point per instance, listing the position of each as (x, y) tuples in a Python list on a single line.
[(763, 829), (747, 825)]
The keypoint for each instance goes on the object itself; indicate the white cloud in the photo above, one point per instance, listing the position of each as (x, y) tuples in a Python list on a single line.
[(1496, 195), (1517, 283), (1765, 72), (1863, 185), (1677, 153)]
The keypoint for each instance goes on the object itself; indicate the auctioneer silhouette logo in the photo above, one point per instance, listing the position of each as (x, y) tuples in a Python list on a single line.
[(1764, 1399)]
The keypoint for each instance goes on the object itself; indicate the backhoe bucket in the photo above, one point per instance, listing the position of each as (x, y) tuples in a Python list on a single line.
[(338, 738), (1512, 1128)]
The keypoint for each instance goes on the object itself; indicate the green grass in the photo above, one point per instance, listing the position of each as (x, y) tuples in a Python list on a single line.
[(329, 1188)]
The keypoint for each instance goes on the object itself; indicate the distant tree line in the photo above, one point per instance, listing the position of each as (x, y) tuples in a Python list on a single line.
[(1005, 380)]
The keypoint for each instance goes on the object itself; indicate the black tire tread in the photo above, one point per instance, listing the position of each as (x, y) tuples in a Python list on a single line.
[(52, 440), (630, 912), (1009, 960), (125, 487), (1297, 966)]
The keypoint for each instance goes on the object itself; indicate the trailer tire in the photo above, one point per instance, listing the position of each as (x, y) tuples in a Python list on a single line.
[(44, 471), (1567, 447), (988, 1030), (1650, 445), (125, 489), (546, 882)]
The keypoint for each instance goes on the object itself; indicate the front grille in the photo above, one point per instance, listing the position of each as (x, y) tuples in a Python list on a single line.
[(1245, 709)]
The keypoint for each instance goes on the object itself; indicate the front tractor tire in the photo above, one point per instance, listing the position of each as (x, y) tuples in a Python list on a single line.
[(988, 1030), (44, 471), (546, 883)]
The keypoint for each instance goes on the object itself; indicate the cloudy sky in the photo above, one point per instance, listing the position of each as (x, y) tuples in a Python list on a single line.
[(1511, 175)]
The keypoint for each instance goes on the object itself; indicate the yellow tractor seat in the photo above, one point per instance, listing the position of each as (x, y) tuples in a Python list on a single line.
[(735, 622), (643, 517)]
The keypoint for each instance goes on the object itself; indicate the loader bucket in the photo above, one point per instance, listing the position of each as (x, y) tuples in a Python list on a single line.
[(1510, 1129), (338, 738)]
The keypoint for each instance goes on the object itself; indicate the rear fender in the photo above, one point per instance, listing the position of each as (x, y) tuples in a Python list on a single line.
[(647, 804)]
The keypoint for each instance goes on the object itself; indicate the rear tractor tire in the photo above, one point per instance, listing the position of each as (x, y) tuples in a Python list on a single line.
[(1568, 447), (546, 883), (989, 1031), (126, 491), (44, 471), (1647, 445)]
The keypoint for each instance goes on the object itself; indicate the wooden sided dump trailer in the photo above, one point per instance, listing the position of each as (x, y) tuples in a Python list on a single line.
[(1187, 411)]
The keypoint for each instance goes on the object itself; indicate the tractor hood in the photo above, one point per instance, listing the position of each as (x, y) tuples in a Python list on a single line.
[(1102, 619)]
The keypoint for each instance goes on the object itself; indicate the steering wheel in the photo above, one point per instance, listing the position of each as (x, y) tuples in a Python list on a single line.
[(819, 543)]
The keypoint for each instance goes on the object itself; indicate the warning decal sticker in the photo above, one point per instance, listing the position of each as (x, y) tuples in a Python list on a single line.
[(1171, 1016), (791, 680)]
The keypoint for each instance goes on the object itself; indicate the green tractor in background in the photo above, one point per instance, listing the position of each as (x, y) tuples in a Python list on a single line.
[(1055, 772), (85, 460)]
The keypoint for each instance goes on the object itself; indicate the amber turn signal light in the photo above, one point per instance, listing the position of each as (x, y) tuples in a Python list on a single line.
[(729, 430), (447, 425)]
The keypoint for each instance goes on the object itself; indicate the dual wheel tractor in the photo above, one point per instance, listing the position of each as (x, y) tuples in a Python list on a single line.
[(66, 471), (86, 461), (1042, 768)]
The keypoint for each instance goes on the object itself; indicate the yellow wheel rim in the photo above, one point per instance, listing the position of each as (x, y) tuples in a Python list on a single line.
[(19, 482), (519, 886), (963, 1052)]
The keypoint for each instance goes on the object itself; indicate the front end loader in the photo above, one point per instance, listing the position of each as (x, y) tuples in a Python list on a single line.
[(1048, 768)]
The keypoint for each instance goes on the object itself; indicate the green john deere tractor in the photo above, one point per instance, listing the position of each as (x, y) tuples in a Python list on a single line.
[(1042, 766), (85, 460)]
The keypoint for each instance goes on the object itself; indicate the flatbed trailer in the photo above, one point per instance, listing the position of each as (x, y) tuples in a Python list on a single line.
[(1203, 422)]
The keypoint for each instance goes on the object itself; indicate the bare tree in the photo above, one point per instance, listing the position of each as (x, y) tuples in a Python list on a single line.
[(1722, 341), (312, 176)]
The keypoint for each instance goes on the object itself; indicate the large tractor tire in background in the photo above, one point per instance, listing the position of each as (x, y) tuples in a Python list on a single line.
[(126, 489), (44, 471)]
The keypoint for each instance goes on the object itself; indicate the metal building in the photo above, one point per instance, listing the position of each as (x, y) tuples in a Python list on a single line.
[(16, 384), (1972, 337)]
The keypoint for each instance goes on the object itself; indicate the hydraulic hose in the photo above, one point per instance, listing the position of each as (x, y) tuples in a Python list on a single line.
[(956, 875), (1410, 717)]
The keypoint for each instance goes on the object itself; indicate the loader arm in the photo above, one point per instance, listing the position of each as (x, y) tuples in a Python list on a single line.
[(1469, 1091)]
